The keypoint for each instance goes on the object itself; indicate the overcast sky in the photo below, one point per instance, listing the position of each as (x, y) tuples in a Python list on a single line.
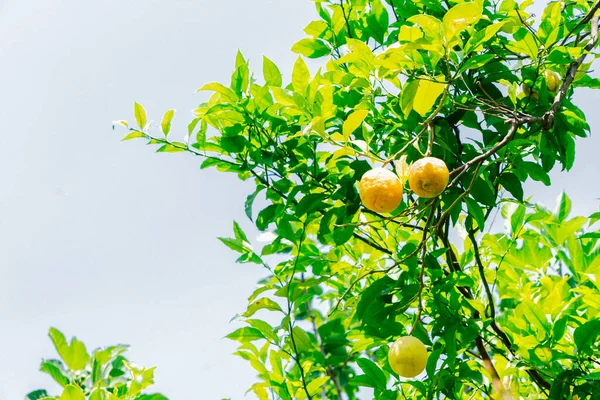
[(115, 244)]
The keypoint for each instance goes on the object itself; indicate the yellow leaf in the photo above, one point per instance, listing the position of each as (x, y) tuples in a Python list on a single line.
[(427, 93), (402, 168), (409, 33), (459, 18), (431, 26), (227, 93), (353, 121)]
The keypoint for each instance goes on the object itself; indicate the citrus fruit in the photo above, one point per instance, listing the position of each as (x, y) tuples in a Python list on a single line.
[(527, 92), (380, 190), (408, 356), (428, 177), (552, 80)]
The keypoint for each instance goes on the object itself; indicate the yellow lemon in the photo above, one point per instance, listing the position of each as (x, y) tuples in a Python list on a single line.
[(552, 80), (408, 356), (428, 177), (380, 190)]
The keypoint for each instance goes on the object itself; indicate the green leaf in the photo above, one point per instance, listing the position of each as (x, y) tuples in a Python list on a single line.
[(311, 48), (250, 201), (239, 245), (373, 372), (245, 334), (483, 36), (524, 43), (362, 380), (316, 385), (476, 212), (353, 121), (536, 172), (510, 182), (170, 148), (72, 392), (300, 76), (264, 328), (74, 354), (55, 369), (475, 62), (261, 304), (594, 376), (459, 18), (586, 335), (426, 95), (407, 96), (240, 79), (239, 233), (228, 94), (154, 396), (302, 340), (99, 394), (563, 207), (515, 215), (37, 395), (134, 135), (165, 124), (140, 115), (271, 73)]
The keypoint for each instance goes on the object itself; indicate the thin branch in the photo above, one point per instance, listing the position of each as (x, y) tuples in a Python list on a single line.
[(346, 18), (489, 365), (588, 17), (330, 370), (291, 326), (550, 115), (431, 140), (457, 173)]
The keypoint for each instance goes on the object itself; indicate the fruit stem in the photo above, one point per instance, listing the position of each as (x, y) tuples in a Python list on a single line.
[(431, 130)]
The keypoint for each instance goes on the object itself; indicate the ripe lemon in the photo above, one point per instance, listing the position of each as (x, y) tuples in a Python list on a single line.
[(428, 177), (552, 80), (408, 356), (380, 190)]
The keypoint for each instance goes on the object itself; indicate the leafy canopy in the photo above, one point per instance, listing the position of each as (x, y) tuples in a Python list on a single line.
[(512, 315), (105, 374)]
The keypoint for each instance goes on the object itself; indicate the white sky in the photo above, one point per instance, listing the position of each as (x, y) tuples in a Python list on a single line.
[(79, 208)]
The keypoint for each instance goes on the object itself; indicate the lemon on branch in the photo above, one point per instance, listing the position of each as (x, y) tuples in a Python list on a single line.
[(428, 177), (552, 80), (380, 190), (408, 356)]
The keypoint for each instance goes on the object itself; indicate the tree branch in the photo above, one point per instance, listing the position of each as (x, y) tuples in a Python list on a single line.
[(550, 115)]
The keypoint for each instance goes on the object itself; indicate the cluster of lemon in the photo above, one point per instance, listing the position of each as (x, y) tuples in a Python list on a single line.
[(381, 191)]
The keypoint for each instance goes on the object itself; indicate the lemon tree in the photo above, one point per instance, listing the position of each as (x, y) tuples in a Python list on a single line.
[(486, 89)]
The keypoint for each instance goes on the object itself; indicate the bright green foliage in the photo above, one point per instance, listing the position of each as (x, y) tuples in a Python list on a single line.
[(507, 315), (105, 374)]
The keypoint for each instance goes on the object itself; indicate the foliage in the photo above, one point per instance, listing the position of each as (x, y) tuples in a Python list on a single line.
[(512, 314), (105, 374)]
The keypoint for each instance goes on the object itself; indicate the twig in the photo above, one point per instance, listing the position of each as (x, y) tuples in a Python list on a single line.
[(457, 173), (431, 140), (426, 124), (346, 18), (588, 17), (291, 326), (330, 370), (550, 115)]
